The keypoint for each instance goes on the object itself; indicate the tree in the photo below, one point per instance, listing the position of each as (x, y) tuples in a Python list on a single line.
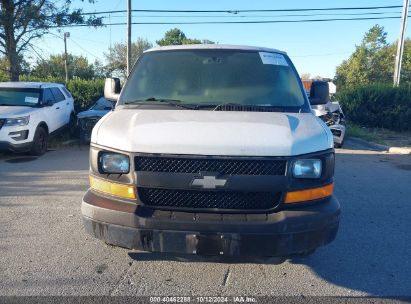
[(79, 67), (23, 21), (4, 69), (176, 37), (117, 56), (100, 70), (372, 61)]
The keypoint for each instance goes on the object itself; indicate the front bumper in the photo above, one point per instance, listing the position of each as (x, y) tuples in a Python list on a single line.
[(283, 233), (10, 147), (338, 132)]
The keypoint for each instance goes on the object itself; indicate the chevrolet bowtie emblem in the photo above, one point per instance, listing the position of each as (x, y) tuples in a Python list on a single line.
[(208, 182)]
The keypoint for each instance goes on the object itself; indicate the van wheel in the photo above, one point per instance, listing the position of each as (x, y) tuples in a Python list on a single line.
[(39, 142)]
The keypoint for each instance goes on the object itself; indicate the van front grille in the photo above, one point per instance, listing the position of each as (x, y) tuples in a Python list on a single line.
[(223, 166), (222, 200)]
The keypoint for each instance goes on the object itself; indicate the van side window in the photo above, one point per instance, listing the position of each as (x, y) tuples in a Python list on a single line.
[(48, 96), (58, 96)]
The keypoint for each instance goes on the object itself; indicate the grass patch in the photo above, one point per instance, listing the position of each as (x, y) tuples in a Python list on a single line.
[(64, 139), (363, 133), (380, 135)]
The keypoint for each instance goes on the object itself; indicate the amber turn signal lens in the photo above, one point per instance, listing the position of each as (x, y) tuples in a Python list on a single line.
[(116, 189), (309, 194)]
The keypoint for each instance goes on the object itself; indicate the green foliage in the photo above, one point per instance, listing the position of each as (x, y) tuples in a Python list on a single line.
[(78, 68), (23, 22), (176, 37), (172, 37), (117, 56), (361, 132), (85, 92), (378, 105), (372, 61)]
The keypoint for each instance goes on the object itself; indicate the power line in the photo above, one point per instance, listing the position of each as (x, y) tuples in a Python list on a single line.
[(89, 40), (237, 22), (80, 47), (254, 16), (321, 55), (269, 10), (246, 10), (243, 11)]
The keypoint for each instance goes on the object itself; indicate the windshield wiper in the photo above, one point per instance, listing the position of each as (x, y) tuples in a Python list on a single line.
[(173, 102), (230, 106)]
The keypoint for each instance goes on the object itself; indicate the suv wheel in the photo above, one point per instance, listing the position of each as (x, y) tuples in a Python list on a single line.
[(39, 142)]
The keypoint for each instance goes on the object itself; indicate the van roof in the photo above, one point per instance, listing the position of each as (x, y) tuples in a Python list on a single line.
[(213, 47), (28, 85)]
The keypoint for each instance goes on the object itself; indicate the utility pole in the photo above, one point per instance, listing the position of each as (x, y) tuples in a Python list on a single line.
[(128, 37), (66, 35), (400, 46)]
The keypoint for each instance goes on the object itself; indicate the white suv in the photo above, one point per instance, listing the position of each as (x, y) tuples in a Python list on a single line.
[(30, 112)]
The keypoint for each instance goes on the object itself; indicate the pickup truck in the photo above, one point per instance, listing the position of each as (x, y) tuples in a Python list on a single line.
[(212, 150)]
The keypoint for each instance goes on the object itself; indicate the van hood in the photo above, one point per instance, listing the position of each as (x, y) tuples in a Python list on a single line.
[(15, 111), (212, 133)]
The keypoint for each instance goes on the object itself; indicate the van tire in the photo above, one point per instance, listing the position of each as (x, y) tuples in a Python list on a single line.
[(39, 146)]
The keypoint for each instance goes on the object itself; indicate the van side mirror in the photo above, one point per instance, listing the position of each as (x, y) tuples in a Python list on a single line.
[(112, 89), (319, 93)]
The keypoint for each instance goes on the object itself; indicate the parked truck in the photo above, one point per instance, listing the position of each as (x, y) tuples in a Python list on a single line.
[(212, 150)]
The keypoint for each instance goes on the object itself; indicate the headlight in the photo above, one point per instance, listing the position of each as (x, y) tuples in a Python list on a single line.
[(114, 163), (18, 121), (307, 168)]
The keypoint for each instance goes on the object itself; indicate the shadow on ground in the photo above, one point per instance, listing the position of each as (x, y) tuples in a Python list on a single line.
[(372, 249)]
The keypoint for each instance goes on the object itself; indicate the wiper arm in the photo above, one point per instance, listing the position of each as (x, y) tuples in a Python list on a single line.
[(173, 102), (251, 107)]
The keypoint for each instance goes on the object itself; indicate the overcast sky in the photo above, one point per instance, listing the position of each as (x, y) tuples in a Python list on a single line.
[(315, 48)]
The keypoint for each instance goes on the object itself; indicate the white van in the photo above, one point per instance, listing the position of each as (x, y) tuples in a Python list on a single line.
[(212, 150)]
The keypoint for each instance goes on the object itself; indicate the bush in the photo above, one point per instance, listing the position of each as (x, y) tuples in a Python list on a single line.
[(85, 92), (378, 105)]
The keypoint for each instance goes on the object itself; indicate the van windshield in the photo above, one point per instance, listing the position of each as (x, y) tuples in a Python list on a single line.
[(201, 77), (19, 97)]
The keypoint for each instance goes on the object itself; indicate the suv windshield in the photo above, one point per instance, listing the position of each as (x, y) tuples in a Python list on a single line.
[(102, 104), (19, 97), (214, 77)]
